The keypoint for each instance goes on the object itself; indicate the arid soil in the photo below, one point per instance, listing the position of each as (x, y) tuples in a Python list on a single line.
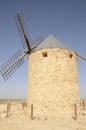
[(19, 119)]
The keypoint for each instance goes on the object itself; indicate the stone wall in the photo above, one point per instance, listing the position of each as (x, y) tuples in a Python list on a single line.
[(53, 83)]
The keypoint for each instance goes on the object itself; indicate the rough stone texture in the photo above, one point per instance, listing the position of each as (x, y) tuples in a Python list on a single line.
[(53, 83)]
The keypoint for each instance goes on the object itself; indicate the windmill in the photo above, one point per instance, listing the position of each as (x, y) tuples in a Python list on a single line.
[(10, 66), (53, 78)]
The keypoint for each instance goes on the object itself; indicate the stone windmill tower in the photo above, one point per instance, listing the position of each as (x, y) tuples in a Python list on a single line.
[(53, 79), (52, 75)]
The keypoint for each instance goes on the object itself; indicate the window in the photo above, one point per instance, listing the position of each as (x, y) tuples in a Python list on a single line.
[(71, 55), (44, 54)]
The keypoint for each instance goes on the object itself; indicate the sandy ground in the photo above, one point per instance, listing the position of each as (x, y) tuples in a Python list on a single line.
[(19, 120)]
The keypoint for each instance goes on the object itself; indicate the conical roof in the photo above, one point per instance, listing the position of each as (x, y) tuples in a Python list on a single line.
[(51, 42)]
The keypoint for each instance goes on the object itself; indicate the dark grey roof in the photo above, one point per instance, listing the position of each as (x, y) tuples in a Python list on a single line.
[(51, 42)]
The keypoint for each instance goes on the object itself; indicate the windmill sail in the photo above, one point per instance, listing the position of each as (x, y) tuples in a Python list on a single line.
[(36, 42), (22, 31), (9, 67), (84, 58)]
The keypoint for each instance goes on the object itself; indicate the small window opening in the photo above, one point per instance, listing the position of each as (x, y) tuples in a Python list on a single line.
[(44, 54), (71, 55)]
